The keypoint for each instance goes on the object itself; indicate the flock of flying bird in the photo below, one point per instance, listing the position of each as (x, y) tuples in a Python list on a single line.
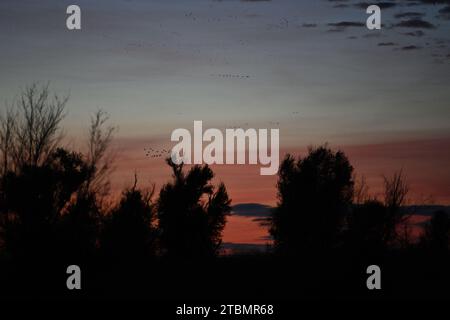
[(156, 153), (280, 24)]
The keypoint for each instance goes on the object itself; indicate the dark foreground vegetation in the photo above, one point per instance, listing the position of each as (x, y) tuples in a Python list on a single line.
[(327, 229)]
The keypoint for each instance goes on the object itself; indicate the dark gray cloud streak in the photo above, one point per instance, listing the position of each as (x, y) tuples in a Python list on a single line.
[(415, 23), (444, 13), (411, 47), (409, 15), (417, 33), (251, 210)]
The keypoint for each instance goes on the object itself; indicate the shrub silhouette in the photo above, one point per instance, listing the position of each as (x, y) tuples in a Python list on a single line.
[(129, 231), (314, 194), (191, 214), (34, 198), (78, 227), (366, 227)]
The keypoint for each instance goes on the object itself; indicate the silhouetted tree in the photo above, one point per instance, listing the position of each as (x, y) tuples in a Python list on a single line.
[(30, 129), (49, 195), (29, 133), (34, 198), (395, 192), (361, 190), (129, 230), (78, 227), (366, 227), (7, 132), (374, 225), (314, 194), (437, 232), (99, 156), (191, 214)]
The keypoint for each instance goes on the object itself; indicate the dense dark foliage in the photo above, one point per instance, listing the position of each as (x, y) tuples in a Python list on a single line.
[(314, 194), (191, 214)]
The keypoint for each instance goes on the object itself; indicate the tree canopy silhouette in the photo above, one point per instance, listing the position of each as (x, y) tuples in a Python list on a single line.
[(34, 198), (375, 225), (46, 194), (314, 194), (129, 230), (191, 213)]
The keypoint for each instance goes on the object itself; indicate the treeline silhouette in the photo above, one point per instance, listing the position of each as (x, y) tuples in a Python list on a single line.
[(52, 199), (321, 207), (54, 212)]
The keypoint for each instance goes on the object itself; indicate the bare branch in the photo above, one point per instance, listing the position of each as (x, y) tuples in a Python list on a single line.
[(30, 131), (99, 157), (7, 128), (361, 190), (395, 190)]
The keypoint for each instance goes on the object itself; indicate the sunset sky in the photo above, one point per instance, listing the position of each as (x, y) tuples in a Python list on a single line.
[(310, 68)]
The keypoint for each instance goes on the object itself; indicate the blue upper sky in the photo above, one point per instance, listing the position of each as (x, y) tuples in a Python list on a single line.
[(307, 67)]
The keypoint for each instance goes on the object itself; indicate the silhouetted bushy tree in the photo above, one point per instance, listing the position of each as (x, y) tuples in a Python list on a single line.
[(191, 214), (129, 231), (34, 197), (314, 194), (78, 228)]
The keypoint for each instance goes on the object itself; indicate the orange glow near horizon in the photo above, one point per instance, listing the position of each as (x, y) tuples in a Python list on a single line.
[(425, 163)]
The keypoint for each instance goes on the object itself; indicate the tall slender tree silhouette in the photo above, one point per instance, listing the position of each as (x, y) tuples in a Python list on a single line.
[(191, 213)]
